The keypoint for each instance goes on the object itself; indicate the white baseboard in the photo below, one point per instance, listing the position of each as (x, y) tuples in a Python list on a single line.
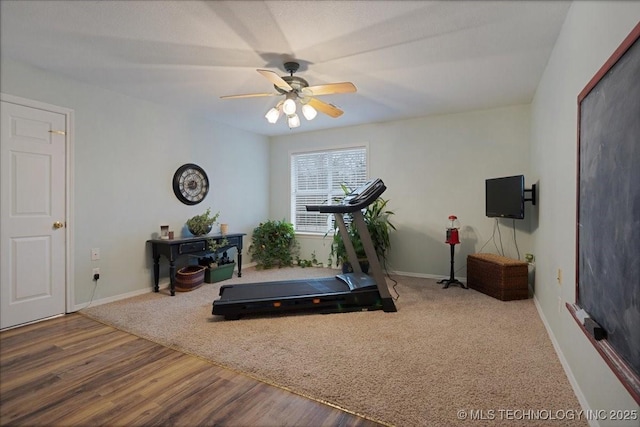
[(78, 307), (162, 285), (565, 365), (426, 276)]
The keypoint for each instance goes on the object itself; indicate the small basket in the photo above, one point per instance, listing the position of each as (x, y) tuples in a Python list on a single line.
[(189, 278)]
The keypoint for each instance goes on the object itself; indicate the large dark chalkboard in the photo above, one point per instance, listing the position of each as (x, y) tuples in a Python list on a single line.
[(608, 223)]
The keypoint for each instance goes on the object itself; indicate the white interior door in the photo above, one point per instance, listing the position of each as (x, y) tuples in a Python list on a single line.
[(32, 214)]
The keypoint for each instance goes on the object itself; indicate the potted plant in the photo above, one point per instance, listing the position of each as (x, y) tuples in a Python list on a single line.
[(219, 265), (376, 217), (273, 244), (200, 225)]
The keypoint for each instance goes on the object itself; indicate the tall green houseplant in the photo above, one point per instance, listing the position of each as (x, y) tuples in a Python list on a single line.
[(376, 217)]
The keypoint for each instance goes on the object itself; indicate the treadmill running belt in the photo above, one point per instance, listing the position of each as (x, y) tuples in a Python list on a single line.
[(290, 288)]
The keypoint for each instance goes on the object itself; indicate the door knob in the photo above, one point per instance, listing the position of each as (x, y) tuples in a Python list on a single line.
[(58, 224)]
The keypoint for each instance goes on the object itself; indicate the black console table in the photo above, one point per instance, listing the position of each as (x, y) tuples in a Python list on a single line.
[(175, 248)]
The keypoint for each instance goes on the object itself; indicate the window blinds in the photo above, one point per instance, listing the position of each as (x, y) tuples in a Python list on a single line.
[(317, 178)]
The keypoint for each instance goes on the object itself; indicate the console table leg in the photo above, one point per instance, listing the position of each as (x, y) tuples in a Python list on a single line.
[(172, 277), (239, 263), (156, 273)]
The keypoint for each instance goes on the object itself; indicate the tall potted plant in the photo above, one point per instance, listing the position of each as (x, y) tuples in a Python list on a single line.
[(376, 217)]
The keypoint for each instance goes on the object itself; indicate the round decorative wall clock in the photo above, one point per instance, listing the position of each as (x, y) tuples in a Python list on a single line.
[(190, 184)]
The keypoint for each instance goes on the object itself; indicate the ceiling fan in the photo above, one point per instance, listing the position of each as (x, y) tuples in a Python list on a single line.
[(296, 88)]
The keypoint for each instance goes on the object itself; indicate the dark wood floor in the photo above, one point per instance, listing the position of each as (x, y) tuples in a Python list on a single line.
[(75, 371)]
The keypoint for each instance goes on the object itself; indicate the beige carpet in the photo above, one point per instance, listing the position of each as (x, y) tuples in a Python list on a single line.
[(444, 351)]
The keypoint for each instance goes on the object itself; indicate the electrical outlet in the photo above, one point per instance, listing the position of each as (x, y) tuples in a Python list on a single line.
[(95, 254), (96, 274), (96, 271)]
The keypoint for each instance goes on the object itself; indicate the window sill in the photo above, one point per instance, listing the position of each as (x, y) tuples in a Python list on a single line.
[(310, 235)]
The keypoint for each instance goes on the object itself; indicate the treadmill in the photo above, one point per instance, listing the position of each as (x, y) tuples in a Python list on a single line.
[(355, 291)]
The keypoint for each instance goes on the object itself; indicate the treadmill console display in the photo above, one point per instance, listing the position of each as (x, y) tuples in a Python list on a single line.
[(363, 192), (358, 199)]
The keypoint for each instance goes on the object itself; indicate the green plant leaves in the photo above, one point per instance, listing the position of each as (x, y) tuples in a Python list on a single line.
[(201, 224), (273, 244), (376, 217)]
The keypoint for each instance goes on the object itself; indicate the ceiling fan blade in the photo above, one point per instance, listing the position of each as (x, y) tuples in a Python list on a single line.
[(248, 95), (276, 80), (328, 89), (323, 107)]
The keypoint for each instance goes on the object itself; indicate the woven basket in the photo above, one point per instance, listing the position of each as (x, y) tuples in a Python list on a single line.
[(497, 276), (189, 278)]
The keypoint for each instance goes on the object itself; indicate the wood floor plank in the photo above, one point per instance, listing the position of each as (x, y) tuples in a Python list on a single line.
[(73, 371), (55, 360)]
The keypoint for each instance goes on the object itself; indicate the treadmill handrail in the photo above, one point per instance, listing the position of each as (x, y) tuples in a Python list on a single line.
[(368, 195)]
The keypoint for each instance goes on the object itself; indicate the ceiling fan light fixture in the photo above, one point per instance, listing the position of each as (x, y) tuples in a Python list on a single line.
[(273, 115), (294, 121), (309, 112), (289, 106)]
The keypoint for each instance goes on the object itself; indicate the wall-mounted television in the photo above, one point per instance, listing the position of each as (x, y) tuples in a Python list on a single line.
[(505, 197)]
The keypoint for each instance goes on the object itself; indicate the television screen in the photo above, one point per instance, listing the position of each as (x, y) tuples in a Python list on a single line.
[(505, 197)]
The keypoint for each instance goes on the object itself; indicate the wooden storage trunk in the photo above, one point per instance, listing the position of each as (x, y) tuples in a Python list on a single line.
[(497, 276)]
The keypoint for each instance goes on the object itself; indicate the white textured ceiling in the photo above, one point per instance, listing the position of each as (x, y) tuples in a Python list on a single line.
[(407, 58)]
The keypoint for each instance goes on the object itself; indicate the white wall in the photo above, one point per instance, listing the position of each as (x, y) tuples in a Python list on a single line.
[(433, 167), (591, 33), (126, 152)]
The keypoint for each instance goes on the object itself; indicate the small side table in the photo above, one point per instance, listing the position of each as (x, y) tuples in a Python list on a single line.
[(452, 280), (176, 248)]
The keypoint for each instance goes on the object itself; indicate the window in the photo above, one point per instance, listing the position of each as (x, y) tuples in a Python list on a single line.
[(317, 178)]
